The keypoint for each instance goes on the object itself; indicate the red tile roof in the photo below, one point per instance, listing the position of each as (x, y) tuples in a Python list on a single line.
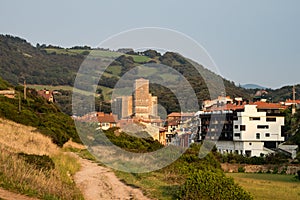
[(292, 101), (106, 118), (259, 105), (45, 94), (265, 105), (177, 114)]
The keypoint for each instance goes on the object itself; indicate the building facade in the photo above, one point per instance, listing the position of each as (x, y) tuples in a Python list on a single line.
[(249, 129), (141, 104)]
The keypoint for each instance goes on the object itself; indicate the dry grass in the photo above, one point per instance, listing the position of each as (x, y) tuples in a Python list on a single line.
[(21, 177), (20, 138)]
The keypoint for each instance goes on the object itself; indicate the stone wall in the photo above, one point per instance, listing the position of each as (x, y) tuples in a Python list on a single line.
[(286, 169)]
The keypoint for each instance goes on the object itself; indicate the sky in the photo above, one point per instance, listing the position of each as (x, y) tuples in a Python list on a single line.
[(250, 41)]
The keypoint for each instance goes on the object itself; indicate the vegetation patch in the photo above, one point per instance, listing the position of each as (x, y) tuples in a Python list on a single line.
[(37, 112), (189, 177), (43, 162), (26, 178), (268, 186)]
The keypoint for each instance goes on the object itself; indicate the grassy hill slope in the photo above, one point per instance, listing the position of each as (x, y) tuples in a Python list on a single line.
[(32, 165), (37, 112)]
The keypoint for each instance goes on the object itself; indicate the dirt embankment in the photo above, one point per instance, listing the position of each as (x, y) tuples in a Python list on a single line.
[(97, 182)]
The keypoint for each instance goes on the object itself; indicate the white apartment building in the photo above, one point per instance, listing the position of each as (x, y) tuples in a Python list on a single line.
[(249, 129)]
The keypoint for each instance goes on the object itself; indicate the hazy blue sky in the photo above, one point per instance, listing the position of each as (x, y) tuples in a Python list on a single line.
[(255, 41)]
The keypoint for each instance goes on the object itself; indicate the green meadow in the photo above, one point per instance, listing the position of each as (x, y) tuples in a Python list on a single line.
[(268, 186)]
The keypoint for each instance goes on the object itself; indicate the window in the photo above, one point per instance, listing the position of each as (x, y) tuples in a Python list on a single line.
[(237, 135), (262, 126), (236, 126), (271, 119), (257, 135), (242, 127), (254, 118), (267, 134)]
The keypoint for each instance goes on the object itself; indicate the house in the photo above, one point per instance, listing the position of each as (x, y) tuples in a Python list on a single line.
[(46, 94), (248, 129), (290, 102), (106, 121), (175, 120), (178, 124), (162, 135), (8, 93)]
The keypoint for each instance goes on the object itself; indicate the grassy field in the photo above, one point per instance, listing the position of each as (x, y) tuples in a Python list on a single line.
[(97, 53), (268, 186), (115, 70), (50, 87), (140, 59)]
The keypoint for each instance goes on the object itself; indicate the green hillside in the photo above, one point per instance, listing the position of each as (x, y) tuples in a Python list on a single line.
[(49, 65), (37, 112)]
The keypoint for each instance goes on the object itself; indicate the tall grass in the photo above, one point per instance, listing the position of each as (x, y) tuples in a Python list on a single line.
[(18, 175), (20, 138)]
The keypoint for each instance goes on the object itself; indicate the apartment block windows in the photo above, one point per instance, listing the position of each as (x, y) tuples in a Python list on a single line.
[(242, 127), (267, 134), (271, 119), (257, 135), (263, 126), (254, 118)]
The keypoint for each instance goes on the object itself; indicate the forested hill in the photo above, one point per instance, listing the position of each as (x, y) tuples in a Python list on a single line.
[(49, 65), (19, 60)]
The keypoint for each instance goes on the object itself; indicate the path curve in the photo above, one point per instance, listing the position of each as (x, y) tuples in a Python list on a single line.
[(98, 182)]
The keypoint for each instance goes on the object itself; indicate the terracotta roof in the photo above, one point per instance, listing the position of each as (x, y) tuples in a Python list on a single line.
[(292, 101), (227, 107), (177, 114), (108, 118), (45, 94), (265, 105), (259, 105)]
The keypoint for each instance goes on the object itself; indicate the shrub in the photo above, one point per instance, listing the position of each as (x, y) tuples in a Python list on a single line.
[(241, 169), (298, 174), (39, 162), (275, 170), (210, 185)]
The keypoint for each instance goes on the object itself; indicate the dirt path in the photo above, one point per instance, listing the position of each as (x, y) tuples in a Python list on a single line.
[(7, 195), (97, 182)]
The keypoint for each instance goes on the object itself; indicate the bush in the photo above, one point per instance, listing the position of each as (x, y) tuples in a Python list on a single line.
[(210, 185), (39, 162), (241, 169), (298, 174)]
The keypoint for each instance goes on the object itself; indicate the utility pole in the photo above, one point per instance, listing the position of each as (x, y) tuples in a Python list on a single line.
[(25, 89), (294, 101), (19, 102)]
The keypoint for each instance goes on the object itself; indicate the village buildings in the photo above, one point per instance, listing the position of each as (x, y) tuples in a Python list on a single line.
[(235, 125)]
